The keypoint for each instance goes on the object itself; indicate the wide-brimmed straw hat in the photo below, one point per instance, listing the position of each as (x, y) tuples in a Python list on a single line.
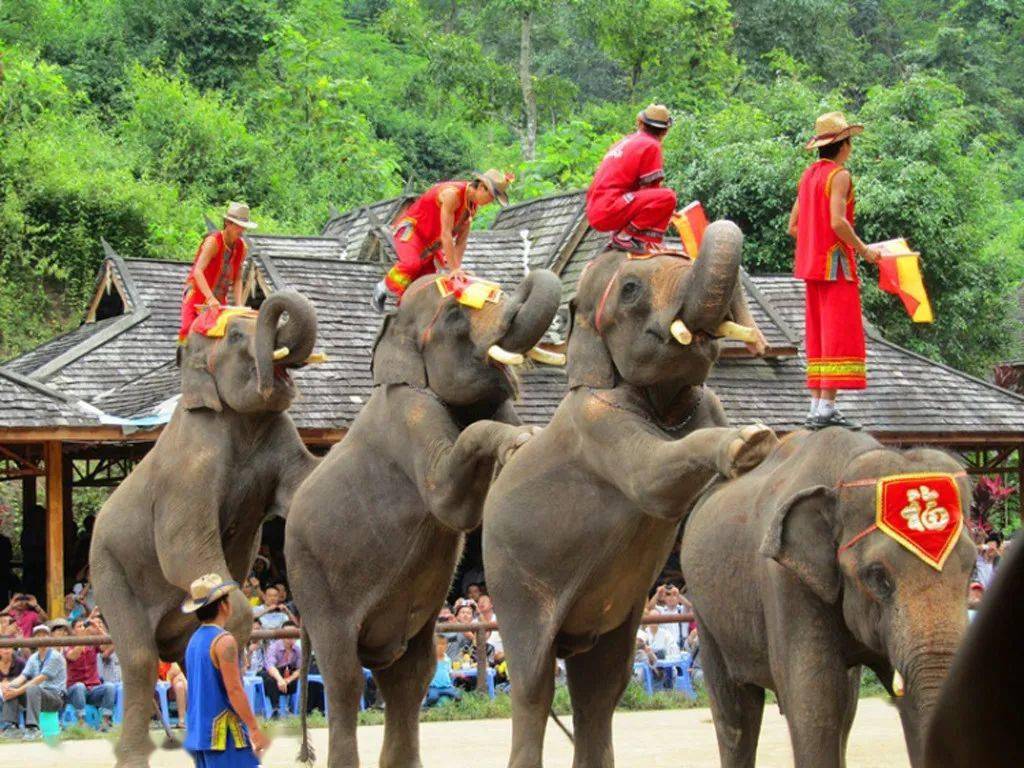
[(497, 183), (205, 590), (656, 116), (830, 128), (238, 213)]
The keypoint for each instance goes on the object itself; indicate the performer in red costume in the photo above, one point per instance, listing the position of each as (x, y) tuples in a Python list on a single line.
[(626, 196), (822, 223), (433, 231), (217, 271)]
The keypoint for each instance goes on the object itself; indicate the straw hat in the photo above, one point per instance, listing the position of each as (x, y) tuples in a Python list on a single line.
[(830, 128), (205, 590), (238, 213), (656, 116), (497, 183)]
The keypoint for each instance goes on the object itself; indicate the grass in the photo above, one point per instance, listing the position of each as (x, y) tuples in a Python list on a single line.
[(478, 706)]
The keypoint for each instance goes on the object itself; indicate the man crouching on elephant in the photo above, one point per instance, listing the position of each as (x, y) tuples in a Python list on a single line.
[(581, 521), (229, 458), (374, 533), (836, 553)]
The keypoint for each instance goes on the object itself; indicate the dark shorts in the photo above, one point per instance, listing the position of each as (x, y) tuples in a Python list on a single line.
[(228, 758)]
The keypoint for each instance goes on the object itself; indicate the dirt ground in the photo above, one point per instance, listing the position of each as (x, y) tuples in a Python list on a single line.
[(676, 738)]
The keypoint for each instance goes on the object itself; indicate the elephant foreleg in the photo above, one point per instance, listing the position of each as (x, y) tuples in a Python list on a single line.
[(344, 682), (404, 685), (737, 709)]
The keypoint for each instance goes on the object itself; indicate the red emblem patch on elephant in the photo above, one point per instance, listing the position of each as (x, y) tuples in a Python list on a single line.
[(922, 512)]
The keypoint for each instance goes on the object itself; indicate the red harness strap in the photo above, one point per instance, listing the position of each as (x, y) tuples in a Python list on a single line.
[(870, 481), (604, 298)]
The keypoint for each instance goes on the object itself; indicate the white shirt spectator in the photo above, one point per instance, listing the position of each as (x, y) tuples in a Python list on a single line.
[(661, 641), (984, 571), (679, 630)]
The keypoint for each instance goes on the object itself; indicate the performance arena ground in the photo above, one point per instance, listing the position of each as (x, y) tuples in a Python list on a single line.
[(669, 738)]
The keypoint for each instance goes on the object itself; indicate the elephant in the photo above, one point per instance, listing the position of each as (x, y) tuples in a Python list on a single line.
[(583, 517), (978, 720), (794, 590), (375, 532), (229, 458)]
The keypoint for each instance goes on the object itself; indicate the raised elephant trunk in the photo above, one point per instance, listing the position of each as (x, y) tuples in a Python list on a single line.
[(713, 279), (530, 310), (287, 345)]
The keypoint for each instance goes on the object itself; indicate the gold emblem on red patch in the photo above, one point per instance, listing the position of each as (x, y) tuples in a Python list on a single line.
[(922, 512)]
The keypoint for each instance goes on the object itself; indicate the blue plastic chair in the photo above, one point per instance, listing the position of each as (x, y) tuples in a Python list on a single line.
[(162, 687), (646, 677), (680, 671), (470, 673), (289, 704), (92, 716), (118, 703), (254, 692)]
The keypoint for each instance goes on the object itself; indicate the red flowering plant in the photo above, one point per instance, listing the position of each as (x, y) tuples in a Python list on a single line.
[(988, 492)]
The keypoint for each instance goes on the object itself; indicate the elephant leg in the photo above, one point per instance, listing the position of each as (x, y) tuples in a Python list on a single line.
[(736, 708), (530, 653), (404, 685), (343, 681), (137, 651), (597, 679), (815, 702), (852, 696)]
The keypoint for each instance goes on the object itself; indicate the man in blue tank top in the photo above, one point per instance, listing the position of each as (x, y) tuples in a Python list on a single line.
[(222, 731)]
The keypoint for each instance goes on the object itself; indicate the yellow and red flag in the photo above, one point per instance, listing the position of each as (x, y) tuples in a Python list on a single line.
[(472, 291), (899, 273), (690, 223)]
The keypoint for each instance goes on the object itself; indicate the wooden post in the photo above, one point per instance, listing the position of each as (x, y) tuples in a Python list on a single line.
[(54, 528), (481, 661)]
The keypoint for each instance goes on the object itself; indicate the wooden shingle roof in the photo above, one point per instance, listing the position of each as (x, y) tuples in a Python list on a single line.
[(25, 403)]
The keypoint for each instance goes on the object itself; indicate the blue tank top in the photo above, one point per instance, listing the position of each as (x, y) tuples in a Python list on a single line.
[(210, 718)]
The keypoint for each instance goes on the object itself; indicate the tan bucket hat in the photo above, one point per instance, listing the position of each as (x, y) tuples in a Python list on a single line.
[(656, 116), (830, 128), (238, 213), (205, 590), (497, 184)]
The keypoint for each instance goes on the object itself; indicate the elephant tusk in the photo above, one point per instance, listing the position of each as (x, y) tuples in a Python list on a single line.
[(281, 353), (680, 332), (504, 356), (316, 357), (898, 688), (546, 356), (731, 330)]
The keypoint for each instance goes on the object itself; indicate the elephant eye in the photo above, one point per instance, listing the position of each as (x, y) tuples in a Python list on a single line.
[(877, 579), (235, 336), (630, 292)]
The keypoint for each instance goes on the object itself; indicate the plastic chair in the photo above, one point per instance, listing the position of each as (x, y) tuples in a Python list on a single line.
[(680, 671), (254, 692), (470, 673), (646, 677), (92, 716), (118, 703), (162, 687)]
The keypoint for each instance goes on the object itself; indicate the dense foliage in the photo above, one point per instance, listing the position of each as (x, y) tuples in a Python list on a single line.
[(130, 119)]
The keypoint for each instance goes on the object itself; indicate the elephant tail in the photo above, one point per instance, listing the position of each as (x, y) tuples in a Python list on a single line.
[(560, 724), (169, 741), (307, 756)]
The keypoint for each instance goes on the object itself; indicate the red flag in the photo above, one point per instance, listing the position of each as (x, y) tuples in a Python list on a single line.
[(691, 223)]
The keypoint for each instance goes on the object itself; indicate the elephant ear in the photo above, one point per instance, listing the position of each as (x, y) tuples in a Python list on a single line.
[(802, 539), (396, 354), (198, 387), (589, 363)]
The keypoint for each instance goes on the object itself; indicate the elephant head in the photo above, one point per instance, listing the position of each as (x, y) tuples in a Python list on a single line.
[(909, 615), (463, 354), (652, 320), (246, 368)]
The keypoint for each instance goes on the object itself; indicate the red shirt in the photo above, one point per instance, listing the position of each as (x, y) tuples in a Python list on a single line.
[(84, 669), (635, 161), (220, 280), (25, 621), (820, 254), (422, 219)]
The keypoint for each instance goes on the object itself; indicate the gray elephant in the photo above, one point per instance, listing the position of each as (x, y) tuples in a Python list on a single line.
[(374, 534), (582, 519), (795, 589), (228, 459)]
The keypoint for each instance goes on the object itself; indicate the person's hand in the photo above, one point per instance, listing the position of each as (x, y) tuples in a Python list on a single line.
[(871, 255), (260, 742), (213, 303), (282, 686)]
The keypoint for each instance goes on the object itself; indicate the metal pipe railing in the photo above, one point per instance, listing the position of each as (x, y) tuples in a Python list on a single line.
[(479, 628)]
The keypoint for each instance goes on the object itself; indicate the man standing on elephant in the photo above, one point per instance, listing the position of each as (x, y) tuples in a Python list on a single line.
[(626, 196), (822, 223), (434, 230), (222, 731), (216, 273)]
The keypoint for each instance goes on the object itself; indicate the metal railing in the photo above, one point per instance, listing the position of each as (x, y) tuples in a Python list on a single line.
[(478, 628)]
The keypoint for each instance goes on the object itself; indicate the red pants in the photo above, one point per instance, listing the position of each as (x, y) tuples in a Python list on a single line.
[(834, 335), (414, 260), (644, 214), (189, 311)]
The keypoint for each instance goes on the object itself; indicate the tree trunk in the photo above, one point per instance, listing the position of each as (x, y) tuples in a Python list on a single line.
[(526, 84)]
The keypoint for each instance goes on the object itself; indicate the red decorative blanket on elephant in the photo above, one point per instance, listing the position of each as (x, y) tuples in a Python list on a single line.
[(213, 321)]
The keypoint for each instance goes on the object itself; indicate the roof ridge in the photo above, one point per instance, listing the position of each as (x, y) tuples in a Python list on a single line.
[(37, 386), (133, 380), (534, 201)]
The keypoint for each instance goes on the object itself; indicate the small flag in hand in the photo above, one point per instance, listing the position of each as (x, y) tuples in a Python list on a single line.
[(691, 223), (899, 273)]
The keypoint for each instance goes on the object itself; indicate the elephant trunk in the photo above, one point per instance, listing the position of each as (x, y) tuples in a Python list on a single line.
[(530, 310), (286, 345), (923, 676), (714, 275)]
